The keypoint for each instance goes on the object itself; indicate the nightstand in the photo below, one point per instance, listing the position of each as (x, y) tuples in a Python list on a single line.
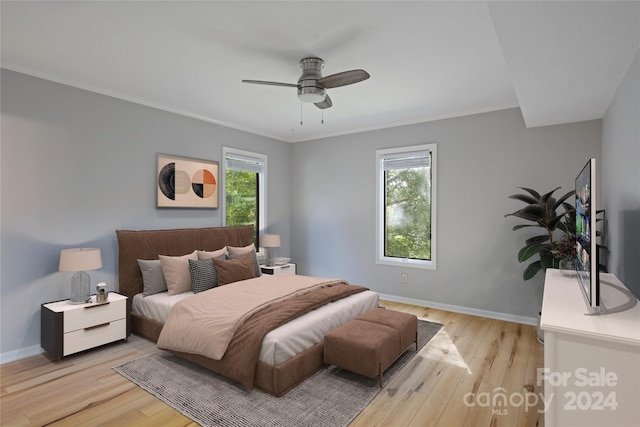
[(70, 328), (289, 268)]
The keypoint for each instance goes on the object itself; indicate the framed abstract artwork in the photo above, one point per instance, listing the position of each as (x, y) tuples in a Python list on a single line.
[(183, 182)]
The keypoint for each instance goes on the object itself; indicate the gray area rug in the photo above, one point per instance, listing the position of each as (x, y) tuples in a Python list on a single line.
[(332, 397)]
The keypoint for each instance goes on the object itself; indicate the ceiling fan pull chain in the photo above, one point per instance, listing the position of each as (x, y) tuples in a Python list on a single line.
[(301, 114), (322, 119)]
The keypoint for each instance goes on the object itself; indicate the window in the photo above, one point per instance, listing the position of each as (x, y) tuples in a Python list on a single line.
[(244, 189), (406, 206)]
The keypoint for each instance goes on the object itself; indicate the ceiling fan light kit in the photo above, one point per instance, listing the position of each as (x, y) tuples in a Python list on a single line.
[(312, 86), (311, 94)]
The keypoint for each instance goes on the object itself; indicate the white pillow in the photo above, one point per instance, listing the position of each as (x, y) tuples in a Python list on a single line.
[(240, 250), (176, 272)]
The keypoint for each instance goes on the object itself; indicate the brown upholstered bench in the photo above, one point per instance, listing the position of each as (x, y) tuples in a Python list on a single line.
[(406, 324), (370, 343)]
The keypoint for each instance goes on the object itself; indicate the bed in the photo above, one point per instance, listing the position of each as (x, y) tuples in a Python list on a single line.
[(276, 372)]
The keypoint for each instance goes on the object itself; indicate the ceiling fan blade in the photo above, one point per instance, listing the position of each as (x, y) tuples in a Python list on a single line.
[(324, 104), (344, 78), (262, 82)]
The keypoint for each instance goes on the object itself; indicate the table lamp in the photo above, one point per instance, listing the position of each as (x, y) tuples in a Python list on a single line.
[(270, 241), (80, 260)]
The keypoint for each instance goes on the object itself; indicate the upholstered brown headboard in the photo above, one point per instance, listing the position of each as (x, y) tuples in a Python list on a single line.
[(148, 244)]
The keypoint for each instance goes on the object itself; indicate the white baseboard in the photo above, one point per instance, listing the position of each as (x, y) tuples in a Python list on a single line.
[(21, 353), (464, 310)]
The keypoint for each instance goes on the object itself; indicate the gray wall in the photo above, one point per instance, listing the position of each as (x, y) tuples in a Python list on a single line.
[(620, 174), (481, 160), (75, 167)]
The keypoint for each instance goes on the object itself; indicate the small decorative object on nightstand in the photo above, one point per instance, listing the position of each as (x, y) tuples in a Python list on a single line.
[(270, 241), (289, 268), (102, 293), (67, 329), (80, 260)]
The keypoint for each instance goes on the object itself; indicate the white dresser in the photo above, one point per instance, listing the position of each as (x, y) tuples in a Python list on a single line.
[(591, 363)]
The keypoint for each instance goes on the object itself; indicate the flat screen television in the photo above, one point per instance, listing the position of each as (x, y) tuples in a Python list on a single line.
[(586, 247)]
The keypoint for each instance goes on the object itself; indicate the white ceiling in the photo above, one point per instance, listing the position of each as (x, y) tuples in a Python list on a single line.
[(559, 61)]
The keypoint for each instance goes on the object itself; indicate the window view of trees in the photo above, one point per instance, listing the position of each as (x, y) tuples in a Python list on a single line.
[(241, 190), (407, 213)]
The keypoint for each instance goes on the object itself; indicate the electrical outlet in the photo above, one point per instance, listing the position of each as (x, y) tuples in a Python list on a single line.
[(404, 278)]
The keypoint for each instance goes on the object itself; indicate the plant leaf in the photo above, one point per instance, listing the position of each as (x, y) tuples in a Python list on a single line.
[(554, 221), (562, 226), (519, 226), (530, 213), (523, 214), (563, 198), (527, 252), (569, 207), (524, 198), (534, 193), (551, 205), (531, 270), (537, 239), (547, 260), (546, 197)]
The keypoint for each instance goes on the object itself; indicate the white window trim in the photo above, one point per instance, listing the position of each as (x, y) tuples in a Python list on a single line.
[(262, 189), (403, 262)]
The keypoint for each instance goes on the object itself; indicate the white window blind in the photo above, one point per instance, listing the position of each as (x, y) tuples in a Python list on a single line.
[(241, 162), (415, 159)]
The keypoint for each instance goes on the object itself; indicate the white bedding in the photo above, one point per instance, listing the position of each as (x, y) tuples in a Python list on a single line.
[(309, 329), (156, 306), (289, 339)]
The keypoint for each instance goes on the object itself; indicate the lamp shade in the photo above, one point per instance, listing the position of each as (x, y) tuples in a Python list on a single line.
[(80, 259), (270, 240)]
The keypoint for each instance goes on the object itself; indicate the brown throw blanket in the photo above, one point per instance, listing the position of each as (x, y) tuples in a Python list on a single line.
[(241, 358)]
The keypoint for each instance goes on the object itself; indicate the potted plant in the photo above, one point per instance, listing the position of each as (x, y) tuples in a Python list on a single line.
[(550, 214)]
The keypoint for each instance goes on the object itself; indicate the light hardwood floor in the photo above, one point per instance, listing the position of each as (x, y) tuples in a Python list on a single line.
[(470, 356)]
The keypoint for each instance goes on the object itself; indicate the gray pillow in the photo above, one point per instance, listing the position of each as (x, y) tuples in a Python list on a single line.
[(203, 274), (152, 276)]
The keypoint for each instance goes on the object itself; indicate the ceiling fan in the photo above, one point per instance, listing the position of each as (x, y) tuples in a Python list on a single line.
[(312, 86)]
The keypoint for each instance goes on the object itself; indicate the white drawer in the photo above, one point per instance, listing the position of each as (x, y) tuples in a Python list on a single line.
[(280, 269), (285, 269), (94, 314), (94, 336)]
